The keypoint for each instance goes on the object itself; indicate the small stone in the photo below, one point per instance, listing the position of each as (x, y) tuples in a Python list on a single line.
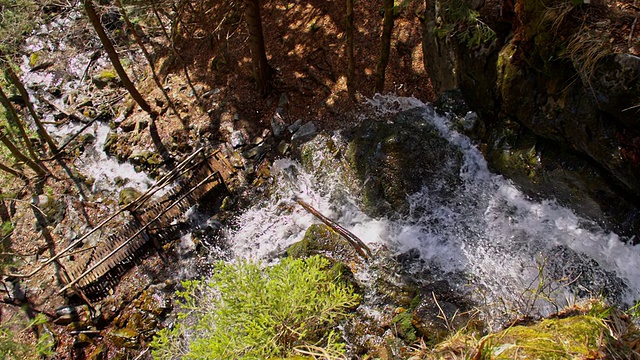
[(283, 100), (295, 126), (99, 353), (283, 147), (237, 139), (128, 195), (124, 338), (277, 124), (305, 132), (81, 340), (255, 152)]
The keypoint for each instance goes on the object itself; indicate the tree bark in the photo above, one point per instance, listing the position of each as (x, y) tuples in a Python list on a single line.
[(115, 60), (11, 171), (350, 59), (150, 61), (18, 155), (15, 80), (261, 68), (13, 115), (385, 45)]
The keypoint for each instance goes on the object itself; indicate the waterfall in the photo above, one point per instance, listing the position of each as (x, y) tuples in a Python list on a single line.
[(487, 238)]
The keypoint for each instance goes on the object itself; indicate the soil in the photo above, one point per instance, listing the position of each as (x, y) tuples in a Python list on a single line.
[(305, 45)]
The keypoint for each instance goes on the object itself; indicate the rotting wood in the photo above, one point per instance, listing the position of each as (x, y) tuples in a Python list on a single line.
[(357, 244)]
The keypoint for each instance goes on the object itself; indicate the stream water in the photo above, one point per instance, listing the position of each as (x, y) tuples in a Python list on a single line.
[(487, 239)]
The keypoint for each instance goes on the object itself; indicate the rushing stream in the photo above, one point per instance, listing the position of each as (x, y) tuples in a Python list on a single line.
[(486, 238)]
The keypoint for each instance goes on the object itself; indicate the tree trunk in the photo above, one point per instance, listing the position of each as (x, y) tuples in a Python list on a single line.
[(385, 45), (11, 171), (261, 68), (350, 59), (115, 60), (150, 61), (4, 212), (13, 115), (18, 155), (15, 80)]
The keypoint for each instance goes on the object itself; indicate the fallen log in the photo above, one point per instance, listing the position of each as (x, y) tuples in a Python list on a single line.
[(357, 244)]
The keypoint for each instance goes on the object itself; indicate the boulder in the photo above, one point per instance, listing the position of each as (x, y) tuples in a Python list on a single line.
[(396, 158)]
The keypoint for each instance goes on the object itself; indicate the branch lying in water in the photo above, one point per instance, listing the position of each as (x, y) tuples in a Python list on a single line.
[(360, 246)]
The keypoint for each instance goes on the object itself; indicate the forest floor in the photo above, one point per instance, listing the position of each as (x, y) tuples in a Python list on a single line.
[(305, 43)]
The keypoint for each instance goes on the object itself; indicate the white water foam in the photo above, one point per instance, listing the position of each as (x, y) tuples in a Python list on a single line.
[(515, 252)]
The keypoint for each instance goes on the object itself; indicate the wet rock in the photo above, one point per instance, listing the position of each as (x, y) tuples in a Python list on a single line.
[(237, 139), (305, 132), (256, 152), (69, 314), (124, 338), (283, 147), (319, 239), (99, 353), (145, 158), (295, 126), (398, 158), (277, 125), (105, 78), (128, 195)]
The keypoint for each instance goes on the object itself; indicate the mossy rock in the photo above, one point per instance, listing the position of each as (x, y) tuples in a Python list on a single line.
[(124, 338), (320, 239), (128, 195), (398, 158), (577, 337)]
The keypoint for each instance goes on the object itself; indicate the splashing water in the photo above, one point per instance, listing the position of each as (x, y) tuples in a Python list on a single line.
[(525, 255)]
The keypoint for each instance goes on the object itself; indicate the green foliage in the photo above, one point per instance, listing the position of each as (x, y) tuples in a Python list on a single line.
[(245, 311), (464, 23), (12, 348)]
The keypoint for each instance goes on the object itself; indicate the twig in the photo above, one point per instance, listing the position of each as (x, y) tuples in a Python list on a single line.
[(633, 27)]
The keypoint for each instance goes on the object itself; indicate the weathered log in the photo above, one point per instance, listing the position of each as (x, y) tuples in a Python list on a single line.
[(357, 244)]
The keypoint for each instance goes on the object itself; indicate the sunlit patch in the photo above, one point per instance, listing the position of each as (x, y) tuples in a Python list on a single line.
[(417, 63)]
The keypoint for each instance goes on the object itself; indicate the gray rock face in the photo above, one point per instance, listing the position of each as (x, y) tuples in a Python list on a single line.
[(554, 129)]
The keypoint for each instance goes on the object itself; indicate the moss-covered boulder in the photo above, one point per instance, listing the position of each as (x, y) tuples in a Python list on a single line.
[(396, 158), (320, 239)]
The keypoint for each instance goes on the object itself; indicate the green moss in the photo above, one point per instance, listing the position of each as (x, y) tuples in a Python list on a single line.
[(319, 239), (404, 326), (33, 59), (569, 338)]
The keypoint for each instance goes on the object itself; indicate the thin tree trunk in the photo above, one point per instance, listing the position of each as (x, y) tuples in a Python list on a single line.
[(4, 211), (136, 36), (13, 114), (18, 154), (115, 60), (15, 80), (385, 45), (261, 68), (11, 171), (175, 52), (350, 59), (128, 84)]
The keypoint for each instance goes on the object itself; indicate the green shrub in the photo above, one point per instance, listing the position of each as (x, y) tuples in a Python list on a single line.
[(12, 348), (249, 312)]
